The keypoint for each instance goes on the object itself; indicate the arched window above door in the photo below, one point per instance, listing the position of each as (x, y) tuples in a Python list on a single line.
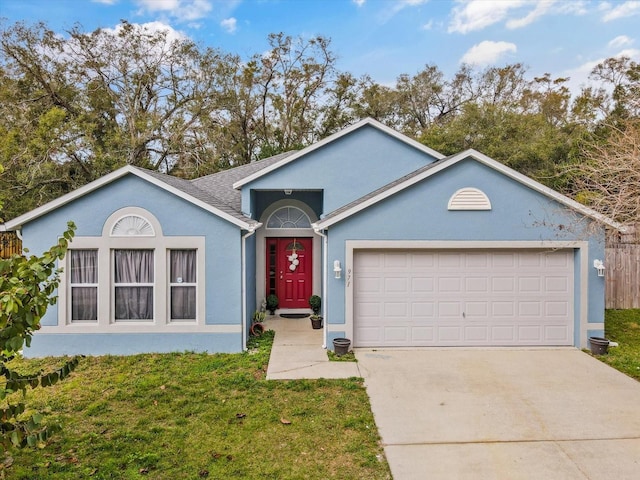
[(289, 217)]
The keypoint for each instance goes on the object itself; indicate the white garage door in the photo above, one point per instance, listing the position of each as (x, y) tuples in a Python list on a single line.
[(463, 297)]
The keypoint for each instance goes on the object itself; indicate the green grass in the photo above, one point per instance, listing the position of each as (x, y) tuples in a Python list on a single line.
[(347, 357), (192, 416), (623, 326)]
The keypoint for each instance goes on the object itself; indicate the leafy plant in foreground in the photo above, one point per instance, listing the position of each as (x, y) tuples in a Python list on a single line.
[(27, 287)]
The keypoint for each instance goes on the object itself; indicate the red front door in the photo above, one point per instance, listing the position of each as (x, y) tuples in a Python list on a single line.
[(289, 270)]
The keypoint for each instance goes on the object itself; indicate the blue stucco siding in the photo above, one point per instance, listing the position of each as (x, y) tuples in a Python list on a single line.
[(177, 217), (344, 169), (132, 343), (518, 213)]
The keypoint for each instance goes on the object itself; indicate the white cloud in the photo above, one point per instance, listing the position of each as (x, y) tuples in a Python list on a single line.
[(359, 2), (479, 14), (487, 52), (469, 16), (229, 24), (620, 41), (186, 10), (428, 25), (105, 2), (541, 9), (632, 53), (622, 10), (397, 6)]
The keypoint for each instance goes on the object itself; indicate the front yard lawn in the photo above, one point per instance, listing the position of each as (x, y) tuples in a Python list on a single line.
[(623, 326), (193, 416)]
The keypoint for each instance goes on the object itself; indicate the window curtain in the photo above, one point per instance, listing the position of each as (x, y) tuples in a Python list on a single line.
[(133, 267), (183, 297), (84, 299)]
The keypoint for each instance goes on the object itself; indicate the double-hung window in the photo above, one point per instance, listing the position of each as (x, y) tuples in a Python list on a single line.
[(183, 284), (133, 273), (84, 285)]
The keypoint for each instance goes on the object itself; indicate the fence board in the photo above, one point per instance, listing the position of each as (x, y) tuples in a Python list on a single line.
[(9, 244), (622, 276)]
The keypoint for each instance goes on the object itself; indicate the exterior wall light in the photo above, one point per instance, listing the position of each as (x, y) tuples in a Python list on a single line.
[(287, 191), (599, 266), (337, 271)]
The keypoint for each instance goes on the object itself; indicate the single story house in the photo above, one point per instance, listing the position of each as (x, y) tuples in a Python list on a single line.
[(406, 247)]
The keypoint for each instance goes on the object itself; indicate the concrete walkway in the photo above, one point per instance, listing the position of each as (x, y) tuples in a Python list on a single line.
[(297, 352)]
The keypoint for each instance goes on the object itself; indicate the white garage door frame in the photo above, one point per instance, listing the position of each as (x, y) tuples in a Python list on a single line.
[(582, 261)]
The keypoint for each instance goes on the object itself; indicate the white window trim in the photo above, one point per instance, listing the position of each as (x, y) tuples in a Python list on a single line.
[(82, 285), (147, 227), (161, 245), (182, 284), (115, 285), (282, 207)]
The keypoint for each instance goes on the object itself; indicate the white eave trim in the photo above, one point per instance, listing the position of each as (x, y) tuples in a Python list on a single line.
[(331, 138), (111, 177), (529, 182)]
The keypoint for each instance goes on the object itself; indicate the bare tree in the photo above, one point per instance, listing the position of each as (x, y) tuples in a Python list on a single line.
[(609, 178)]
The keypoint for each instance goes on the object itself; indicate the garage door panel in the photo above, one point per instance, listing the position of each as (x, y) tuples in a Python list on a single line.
[(503, 284), (556, 284), (422, 336), (371, 285), (396, 309), (422, 261), (476, 284), (463, 298), (449, 309), (557, 332), (529, 284), (423, 310), (503, 335), (473, 310), (556, 309), (399, 335), (478, 334), (529, 309), (479, 260), (422, 284), (530, 333), (394, 285), (449, 284)]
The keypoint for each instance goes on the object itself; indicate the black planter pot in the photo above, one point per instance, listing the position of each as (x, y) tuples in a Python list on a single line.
[(341, 346), (316, 323), (599, 345)]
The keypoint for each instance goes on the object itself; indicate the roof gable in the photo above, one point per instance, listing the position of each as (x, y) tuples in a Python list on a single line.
[(427, 171), (332, 138), (176, 186)]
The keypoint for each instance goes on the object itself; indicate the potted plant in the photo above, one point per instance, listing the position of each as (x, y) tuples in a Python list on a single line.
[(272, 303), (257, 328), (315, 302)]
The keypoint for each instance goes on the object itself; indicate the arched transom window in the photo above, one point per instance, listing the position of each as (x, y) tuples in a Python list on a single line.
[(289, 217), (132, 225)]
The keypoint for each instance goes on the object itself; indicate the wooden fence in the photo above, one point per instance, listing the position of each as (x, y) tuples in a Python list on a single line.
[(622, 275), (9, 244)]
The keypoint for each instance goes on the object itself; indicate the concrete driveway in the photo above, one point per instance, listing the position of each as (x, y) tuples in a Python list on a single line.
[(503, 414)]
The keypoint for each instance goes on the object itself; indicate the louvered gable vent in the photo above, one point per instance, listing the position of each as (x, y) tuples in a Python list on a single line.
[(469, 199)]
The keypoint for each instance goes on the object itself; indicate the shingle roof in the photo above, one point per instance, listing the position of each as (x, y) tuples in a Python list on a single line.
[(221, 183), (192, 190)]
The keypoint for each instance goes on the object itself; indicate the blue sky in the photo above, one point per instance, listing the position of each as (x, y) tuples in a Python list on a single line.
[(382, 38)]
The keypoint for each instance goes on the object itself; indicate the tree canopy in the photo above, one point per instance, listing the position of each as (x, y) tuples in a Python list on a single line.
[(76, 105)]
